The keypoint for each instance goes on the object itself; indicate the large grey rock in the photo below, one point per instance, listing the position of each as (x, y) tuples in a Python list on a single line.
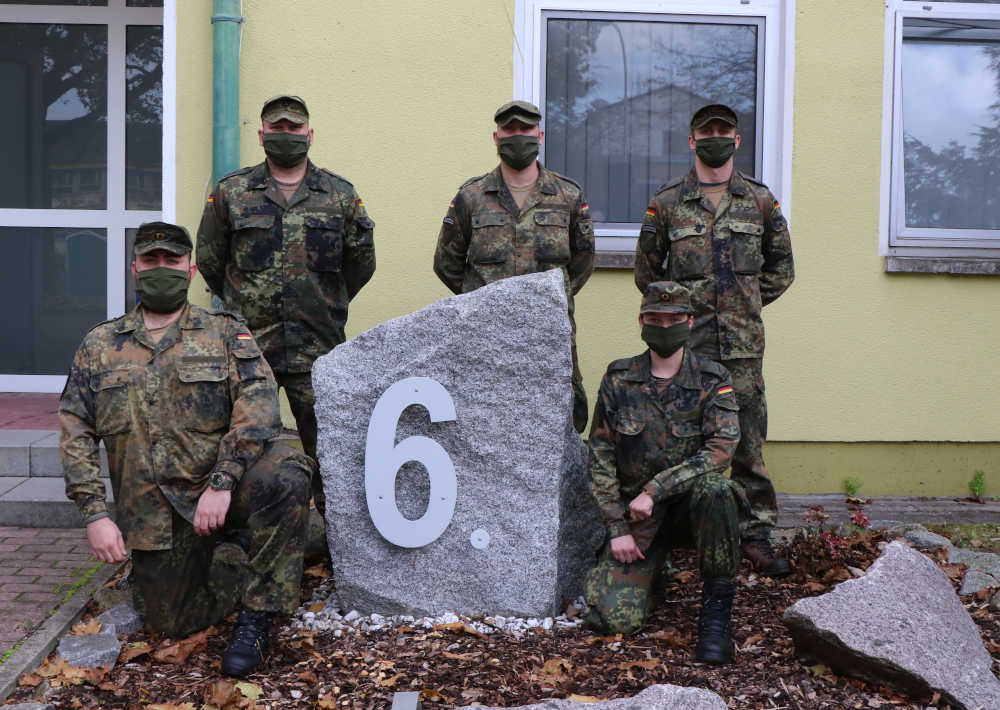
[(655, 697), (987, 562), (524, 530), (901, 624), (123, 618), (30, 706), (90, 650)]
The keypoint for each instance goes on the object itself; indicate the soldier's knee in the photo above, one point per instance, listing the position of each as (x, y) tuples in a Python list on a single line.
[(717, 492)]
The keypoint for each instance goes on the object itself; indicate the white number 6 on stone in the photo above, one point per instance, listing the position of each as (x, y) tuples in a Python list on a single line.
[(384, 458)]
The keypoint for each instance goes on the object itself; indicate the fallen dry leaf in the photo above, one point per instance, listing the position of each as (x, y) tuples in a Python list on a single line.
[(171, 706), (317, 606), (583, 698), (29, 680), (219, 693), (307, 677), (684, 576), (84, 628), (134, 651), (91, 676), (815, 587), (648, 665), (556, 667), (752, 640), (836, 574), (326, 702), (178, 651), (319, 571), (249, 690), (673, 637), (459, 627), (52, 667)]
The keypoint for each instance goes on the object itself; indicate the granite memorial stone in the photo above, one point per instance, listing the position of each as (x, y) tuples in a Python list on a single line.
[(454, 478)]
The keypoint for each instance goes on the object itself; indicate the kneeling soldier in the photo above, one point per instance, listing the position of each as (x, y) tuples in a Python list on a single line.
[(664, 431), (214, 511)]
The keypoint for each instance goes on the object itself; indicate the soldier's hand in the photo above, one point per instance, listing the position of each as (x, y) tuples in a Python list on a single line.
[(641, 506), (106, 540), (625, 550), (210, 515)]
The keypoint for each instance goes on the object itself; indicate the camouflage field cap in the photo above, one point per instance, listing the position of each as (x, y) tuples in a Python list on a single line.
[(285, 106), (517, 111), (666, 297), (713, 112), (162, 235)]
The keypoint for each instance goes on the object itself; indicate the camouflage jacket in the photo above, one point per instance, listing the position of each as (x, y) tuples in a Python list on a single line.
[(734, 261), (644, 441), (289, 270), (170, 413), (486, 237)]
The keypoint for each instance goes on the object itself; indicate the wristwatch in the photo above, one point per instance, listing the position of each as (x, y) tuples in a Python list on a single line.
[(221, 481)]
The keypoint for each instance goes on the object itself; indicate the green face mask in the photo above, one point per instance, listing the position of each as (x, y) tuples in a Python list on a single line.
[(518, 152), (162, 290), (666, 341), (286, 150), (715, 151)]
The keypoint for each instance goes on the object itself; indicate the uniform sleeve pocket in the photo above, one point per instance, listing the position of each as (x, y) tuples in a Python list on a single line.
[(111, 402), (253, 242), (204, 396), (324, 243)]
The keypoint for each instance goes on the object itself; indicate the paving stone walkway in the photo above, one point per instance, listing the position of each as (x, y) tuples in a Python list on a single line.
[(38, 570)]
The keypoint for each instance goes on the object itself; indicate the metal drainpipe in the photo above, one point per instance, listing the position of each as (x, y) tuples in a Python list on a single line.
[(226, 20)]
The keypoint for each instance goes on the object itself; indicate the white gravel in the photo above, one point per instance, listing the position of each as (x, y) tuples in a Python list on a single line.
[(332, 619)]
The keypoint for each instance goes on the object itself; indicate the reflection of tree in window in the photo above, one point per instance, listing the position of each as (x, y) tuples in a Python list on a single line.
[(953, 185), (55, 79), (144, 117), (619, 98)]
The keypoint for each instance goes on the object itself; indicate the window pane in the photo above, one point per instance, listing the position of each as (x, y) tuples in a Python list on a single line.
[(131, 298), (53, 133), (951, 133), (144, 117), (60, 279), (619, 98), (54, 2)]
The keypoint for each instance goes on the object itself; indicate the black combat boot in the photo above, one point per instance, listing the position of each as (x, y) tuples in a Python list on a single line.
[(764, 560), (248, 644), (715, 644)]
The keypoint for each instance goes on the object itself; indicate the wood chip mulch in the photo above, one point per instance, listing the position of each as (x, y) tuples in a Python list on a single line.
[(454, 667)]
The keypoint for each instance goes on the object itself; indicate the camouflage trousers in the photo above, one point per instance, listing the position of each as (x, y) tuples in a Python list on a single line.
[(748, 461), (201, 580), (704, 514), (299, 390)]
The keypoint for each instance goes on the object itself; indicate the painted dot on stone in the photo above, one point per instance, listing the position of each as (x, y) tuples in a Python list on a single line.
[(480, 539)]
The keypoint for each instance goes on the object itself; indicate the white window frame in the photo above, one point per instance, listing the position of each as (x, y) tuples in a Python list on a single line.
[(115, 219), (897, 242), (778, 67)]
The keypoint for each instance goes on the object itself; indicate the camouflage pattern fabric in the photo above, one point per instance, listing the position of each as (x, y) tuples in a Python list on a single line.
[(302, 400), (734, 260), (170, 413), (642, 440), (199, 581), (486, 237), (292, 268), (703, 513), (748, 461)]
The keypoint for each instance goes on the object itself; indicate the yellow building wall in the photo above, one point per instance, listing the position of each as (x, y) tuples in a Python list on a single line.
[(401, 97)]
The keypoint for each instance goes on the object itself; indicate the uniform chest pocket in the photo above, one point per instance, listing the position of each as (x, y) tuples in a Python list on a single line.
[(552, 237), (630, 449), (204, 395), (325, 243), (690, 255), (745, 247), (254, 242), (111, 402), (489, 244)]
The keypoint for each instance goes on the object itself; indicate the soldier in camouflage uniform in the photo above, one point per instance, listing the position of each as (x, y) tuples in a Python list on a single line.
[(519, 219), (721, 233), (213, 510), (664, 431), (288, 245)]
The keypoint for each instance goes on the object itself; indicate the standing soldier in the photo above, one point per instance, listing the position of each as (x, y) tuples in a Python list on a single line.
[(288, 245), (721, 233), (665, 427), (519, 219), (213, 511)]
